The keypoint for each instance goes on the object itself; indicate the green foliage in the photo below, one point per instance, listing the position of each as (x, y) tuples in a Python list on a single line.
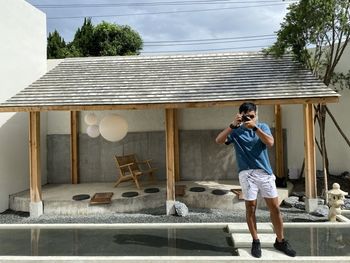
[(56, 47), (83, 39), (315, 32), (112, 40), (105, 39)]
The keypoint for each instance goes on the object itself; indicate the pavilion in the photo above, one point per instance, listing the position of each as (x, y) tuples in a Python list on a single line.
[(171, 83)]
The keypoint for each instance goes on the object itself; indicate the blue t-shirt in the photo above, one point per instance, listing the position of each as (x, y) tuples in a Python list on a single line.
[(251, 152)]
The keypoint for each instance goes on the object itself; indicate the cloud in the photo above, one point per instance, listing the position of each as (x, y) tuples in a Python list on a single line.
[(176, 26)]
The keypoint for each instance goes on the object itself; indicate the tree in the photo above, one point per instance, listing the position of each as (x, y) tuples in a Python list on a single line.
[(317, 32), (105, 39), (111, 40), (56, 46), (83, 39)]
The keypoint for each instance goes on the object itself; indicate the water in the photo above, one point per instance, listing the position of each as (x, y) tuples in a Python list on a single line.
[(313, 240), (320, 241), (115, 242)]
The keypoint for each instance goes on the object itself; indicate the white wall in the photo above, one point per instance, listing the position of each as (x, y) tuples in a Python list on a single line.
[(22, 61)]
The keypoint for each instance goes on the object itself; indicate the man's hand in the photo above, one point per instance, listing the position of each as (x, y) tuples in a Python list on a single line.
[(250, 124), (237, 120)]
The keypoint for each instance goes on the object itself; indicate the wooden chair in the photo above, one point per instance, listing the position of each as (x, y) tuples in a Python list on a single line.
[(129, 169)]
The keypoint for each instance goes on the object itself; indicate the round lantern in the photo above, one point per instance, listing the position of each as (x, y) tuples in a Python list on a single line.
[(93, 131), (90, 119), (113, 127)]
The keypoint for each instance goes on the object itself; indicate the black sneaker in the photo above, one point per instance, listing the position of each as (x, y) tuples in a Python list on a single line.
[(285, 247), (256, 248)]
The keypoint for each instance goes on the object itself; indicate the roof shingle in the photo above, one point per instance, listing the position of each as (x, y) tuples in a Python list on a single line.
[(137, 80)]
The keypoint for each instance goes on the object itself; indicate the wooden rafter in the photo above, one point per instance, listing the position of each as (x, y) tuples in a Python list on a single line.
[(168, 105)]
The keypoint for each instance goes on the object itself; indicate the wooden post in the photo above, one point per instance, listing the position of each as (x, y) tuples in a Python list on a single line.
[(170, 159), (176, 147), (36, 208), (310, 158), (279, 157), (74, 146)]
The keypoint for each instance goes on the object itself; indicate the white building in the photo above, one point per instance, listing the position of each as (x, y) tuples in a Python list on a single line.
[(23, 60)]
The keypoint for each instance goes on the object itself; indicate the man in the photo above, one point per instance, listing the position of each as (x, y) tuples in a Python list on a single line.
[(250, 140)]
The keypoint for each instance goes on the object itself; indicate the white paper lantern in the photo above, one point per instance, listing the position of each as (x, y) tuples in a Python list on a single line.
[(90, 119), (93, 131), (113, 127)]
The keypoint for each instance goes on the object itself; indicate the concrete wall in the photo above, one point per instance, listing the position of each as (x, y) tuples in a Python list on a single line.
[(200, 157), (23, 60)]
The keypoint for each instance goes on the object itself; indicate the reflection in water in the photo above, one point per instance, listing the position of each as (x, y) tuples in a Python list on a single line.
[(114, 242), (308, 241), (320, 241), (156, 241)]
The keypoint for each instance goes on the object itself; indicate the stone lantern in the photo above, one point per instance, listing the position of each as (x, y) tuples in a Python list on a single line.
[(335, 201)]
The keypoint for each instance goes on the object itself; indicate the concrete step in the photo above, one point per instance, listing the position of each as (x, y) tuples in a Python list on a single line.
[(243, 228), (242, 240), (266, 253)]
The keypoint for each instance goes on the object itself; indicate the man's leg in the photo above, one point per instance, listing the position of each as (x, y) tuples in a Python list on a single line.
[(251, 218), (275, 215), (250, 192), (251, 221), (276, 219)]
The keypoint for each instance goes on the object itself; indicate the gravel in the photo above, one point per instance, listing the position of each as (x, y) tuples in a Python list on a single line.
[(158, 216)]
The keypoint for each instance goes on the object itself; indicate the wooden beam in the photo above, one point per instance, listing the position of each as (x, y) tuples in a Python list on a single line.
[(34, 157), (205, 104), (74, 146), (170, 157), (310, 157), (279, 157)]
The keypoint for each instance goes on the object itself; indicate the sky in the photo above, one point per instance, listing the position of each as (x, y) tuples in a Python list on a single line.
[(176, 26)]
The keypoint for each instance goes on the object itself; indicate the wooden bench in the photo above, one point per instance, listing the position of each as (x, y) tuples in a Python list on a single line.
[(129, 169)]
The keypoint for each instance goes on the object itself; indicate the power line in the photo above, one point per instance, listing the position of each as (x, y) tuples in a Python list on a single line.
[(173, 3), (201, 50), (207, 43), (208, 39), (168, 12)]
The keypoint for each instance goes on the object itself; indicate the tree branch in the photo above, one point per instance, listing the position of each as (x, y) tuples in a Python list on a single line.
[(337, 125)]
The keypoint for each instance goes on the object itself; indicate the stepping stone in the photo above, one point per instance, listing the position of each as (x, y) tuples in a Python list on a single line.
[(219, 192), (130, 194), (268, 253), (243, 228), (242, 240), (151, 190), (197, 189), (80, 197), (101, 198)]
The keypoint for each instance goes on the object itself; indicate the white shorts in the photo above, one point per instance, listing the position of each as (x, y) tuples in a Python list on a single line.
[(257, 181)]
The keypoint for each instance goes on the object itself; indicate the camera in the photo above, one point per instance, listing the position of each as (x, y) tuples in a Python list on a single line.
[(245, 118)]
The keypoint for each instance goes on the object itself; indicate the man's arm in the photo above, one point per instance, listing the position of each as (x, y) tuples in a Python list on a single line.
[(221, 138), (264, 137)]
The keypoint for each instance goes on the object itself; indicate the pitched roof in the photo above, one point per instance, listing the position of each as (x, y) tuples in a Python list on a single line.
[(166, 81)]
